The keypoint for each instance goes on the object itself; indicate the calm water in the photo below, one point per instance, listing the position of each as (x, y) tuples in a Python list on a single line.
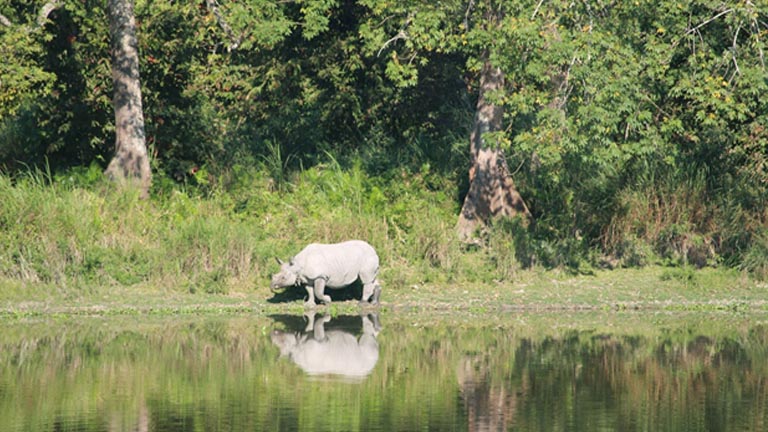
[(393, 372)]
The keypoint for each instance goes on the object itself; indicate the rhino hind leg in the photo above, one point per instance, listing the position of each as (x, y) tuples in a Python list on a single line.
[(320, 291), (310, 303)]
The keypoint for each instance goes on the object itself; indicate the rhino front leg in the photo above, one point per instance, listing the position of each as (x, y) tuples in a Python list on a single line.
[(310, 303), (372, 291), (320, 291), (318, 329), (367, 292), (376, 292)]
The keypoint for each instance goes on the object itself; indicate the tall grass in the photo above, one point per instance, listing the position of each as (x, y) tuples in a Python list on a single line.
[(681, 218), (77, 233), (73, 236), (666, 218)]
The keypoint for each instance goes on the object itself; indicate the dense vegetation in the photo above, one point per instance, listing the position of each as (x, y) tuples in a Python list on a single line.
[(636, 132)]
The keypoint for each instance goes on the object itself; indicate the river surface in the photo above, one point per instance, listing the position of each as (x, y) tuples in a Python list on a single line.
[(607, 371)]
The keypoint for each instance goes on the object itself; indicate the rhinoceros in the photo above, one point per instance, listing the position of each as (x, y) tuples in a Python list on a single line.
[(337, 265)]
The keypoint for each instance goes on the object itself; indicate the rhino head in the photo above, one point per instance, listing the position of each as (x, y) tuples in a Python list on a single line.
[(287, 276), (285, 341)]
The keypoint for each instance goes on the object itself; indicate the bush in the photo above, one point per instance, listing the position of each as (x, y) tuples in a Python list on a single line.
[(756, 258)]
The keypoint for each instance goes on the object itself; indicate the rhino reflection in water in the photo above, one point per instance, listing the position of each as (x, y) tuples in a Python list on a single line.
[(333, 351)]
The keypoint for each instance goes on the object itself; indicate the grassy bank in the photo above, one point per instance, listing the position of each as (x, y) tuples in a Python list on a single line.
[(73, 235), (75, 244), (648, 289)]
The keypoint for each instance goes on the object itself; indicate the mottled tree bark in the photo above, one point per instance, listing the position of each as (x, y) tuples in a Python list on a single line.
[(492, 192), (130, 164)]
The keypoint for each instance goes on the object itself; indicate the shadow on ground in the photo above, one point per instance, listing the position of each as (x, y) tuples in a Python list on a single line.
[(294, 294)]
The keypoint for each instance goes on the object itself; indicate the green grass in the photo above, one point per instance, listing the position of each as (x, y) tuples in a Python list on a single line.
[(77, 245), (648, 289)]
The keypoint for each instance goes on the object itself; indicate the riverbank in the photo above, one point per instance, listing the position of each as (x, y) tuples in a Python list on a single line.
[(649, 289)]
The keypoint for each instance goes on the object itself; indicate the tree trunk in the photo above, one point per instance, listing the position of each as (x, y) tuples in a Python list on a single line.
[(492, 192), (130, 164)]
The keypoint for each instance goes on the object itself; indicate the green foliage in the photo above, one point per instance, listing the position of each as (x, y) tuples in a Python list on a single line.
[(21, 80), (636, 132)]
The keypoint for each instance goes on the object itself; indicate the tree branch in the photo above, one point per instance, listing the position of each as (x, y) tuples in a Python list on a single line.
[(5, 21), (734, 48), (536, 11), (725, 12), (42, 17), (470, 6), (400, 35), (46, 10), (213, 6), (756, 29)]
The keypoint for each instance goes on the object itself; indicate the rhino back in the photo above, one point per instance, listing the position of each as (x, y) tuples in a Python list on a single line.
[(340, 263)]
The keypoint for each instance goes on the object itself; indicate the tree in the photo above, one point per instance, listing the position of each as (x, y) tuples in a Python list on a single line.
[(203, 73), (130, 164), (23, 80), (492, 191), (412, 31)]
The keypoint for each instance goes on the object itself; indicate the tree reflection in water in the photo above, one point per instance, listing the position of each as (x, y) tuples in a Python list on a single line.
[(460, 372)]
